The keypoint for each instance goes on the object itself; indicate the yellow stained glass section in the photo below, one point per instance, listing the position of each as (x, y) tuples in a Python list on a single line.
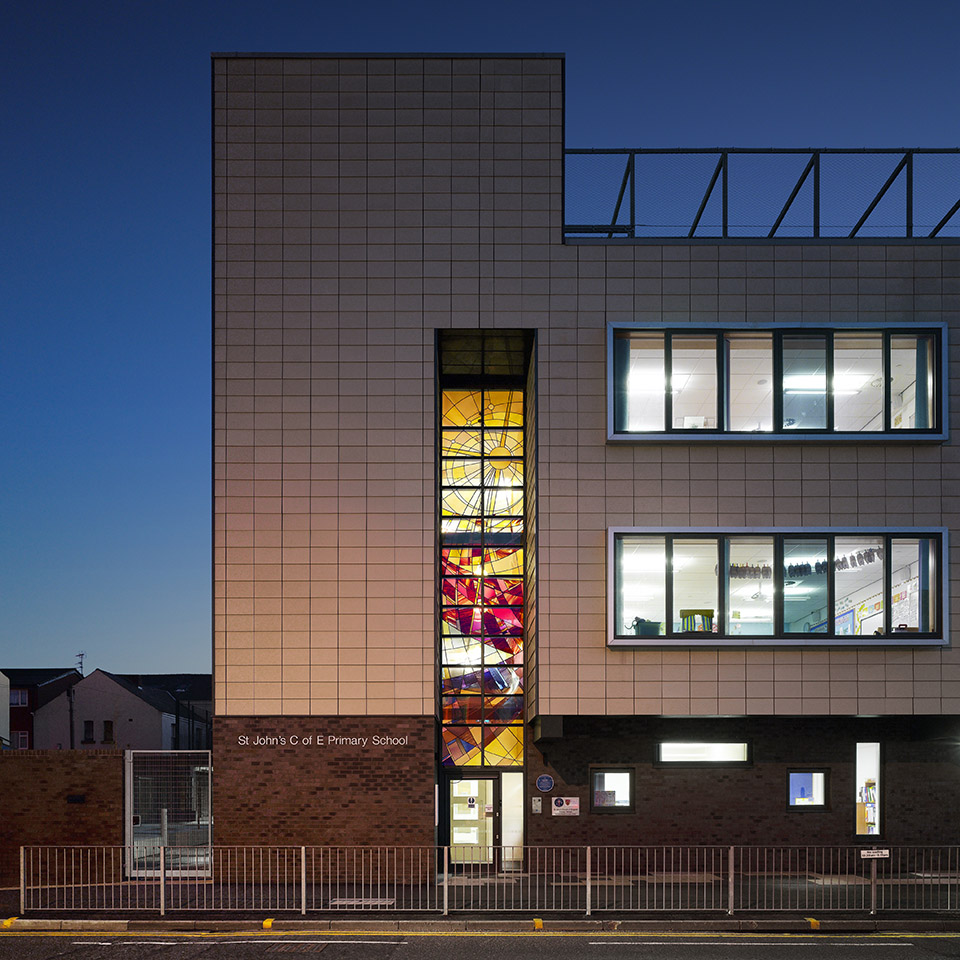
[(503, 746), (503, 408), (466, 442), (461, 408)]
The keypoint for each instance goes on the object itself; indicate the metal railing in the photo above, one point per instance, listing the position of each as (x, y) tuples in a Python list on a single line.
[(443, 880), (727, 193)]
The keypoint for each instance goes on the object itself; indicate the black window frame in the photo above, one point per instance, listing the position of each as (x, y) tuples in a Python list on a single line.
[(613, 768), (809, 807), (936, 636), (619, 331)]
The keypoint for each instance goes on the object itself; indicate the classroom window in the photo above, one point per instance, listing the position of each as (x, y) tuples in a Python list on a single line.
[(807, 788), (868, 789), (716, 752), (611, 790), (789, 587), (786, 382)]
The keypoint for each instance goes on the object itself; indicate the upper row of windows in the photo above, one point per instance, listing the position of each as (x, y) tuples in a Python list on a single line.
[(673, 382)]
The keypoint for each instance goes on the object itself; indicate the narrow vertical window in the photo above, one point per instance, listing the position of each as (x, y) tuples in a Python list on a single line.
[(750, 586), (868, 789), (481, 550), (859, 586), (912, 392), (693, 381), (806, 578), (641, 399), (857, 382), (804, 382), (912, 593), (749, 382), (641, 586), (695, 588)]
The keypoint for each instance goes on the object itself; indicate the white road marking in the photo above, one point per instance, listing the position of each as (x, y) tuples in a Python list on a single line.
[(741, 943)]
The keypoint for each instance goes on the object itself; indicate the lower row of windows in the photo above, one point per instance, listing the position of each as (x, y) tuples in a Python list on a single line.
[(612, 788), (807, 586)]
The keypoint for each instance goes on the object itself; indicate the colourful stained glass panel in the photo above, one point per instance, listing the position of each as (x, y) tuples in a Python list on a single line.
[(460, 591), (461, 709), (453, 442), (461, 473), (503, 503), (461, 502), (461, 746), (461, 525), (461, 650), (507, 651), (503, 709), (503, 408), (457, 679), (477, 561), (502, 473), (506, 680), (503, 443), (461, 408), (503, 746), (503, 592)]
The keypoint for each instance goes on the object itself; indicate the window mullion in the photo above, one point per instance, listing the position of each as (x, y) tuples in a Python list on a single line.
[(723, 583), (778, 578), (777, 382), (887, 379), (722, 414), (668, 587), (830, 392), (888, 585), (668, 382), (831, 585)]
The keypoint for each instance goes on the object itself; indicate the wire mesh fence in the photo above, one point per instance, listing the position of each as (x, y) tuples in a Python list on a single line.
[(493, 880), (731, 193)]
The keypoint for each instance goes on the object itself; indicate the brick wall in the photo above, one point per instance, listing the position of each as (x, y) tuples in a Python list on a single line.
[(35, 785), (296, 793), (920, 776)]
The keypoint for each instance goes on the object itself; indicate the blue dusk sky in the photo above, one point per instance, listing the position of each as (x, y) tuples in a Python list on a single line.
[(105, 266)]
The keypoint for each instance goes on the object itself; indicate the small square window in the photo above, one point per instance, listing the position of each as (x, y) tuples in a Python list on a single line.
[(18, 697), (806, 789), (611, 790)]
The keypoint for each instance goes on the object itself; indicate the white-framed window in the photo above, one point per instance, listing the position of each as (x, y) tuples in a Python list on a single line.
[(744, 382), (18, 697), (793, 586), (20, 739)]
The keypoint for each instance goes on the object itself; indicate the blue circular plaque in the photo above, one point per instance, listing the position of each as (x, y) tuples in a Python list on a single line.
[(544, 782)]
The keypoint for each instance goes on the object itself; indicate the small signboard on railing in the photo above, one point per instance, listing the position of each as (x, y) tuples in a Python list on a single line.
[(874, 854)]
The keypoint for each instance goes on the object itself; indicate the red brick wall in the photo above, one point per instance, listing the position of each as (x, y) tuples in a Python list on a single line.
[(286, 793), (35, 784)]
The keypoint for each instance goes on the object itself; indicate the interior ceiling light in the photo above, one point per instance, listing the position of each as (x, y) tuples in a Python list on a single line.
[(816, 383)]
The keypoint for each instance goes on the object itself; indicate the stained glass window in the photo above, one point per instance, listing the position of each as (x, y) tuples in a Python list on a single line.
[(481, 577)]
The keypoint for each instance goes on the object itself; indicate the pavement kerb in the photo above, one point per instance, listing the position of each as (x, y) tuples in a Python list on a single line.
[(729, 925)]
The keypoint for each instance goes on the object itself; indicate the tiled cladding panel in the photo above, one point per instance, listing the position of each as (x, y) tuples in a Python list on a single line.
[(359, 205), (587, 485)]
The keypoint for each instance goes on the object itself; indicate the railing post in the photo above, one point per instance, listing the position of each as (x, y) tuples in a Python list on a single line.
[(23, 882), (303, 881), (589, 891), (446, 881), (163, 881), (873, 887), (731, 886)]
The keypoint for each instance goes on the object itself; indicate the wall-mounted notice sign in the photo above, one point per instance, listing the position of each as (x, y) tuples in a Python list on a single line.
[(874, 854), (566, 807), (544, 783)]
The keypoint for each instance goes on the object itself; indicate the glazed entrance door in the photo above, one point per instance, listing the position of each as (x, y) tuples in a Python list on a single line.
[(474, 817)]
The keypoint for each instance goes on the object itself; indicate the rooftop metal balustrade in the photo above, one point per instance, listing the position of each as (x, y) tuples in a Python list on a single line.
[(721, 193)]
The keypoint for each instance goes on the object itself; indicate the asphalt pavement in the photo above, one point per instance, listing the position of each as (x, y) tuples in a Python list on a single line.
[(541, 945)]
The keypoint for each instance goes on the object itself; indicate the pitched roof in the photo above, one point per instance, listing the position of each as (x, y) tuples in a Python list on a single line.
[(187, 687), (36, 676), (158, 699)]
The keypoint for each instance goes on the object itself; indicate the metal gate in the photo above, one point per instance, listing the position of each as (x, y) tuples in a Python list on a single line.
[(167, 804)]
